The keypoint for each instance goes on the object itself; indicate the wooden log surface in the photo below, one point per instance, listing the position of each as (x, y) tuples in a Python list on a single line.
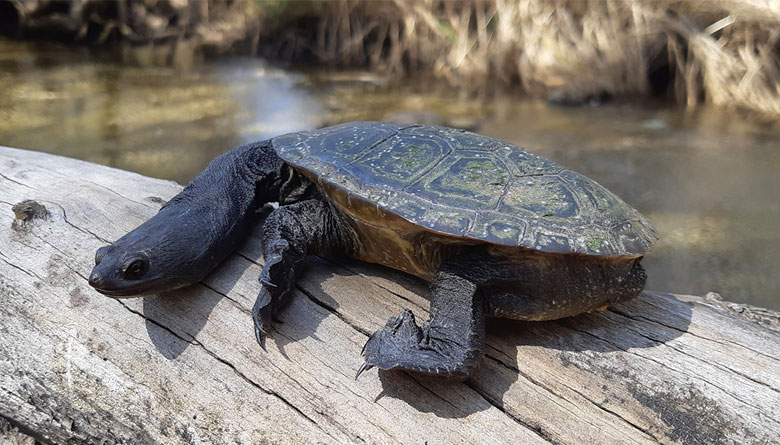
[(184, 367)]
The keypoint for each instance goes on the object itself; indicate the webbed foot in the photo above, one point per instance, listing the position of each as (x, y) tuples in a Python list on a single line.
[(402, 344)]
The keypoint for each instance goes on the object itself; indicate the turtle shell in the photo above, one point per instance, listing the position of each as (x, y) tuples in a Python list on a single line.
[(465, 185)]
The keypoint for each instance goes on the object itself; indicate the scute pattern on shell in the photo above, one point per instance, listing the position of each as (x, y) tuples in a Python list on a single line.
[(466, 185)]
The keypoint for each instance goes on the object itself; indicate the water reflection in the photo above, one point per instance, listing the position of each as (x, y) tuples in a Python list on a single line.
[(269, 101), (708, 180), (156, 121)]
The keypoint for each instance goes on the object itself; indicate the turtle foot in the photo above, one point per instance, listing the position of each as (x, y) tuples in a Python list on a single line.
[(402, 344)]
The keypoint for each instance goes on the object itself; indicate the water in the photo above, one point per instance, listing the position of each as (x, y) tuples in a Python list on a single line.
[(708, 180)]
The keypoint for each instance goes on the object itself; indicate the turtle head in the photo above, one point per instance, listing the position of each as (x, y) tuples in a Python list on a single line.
[(157, 256)]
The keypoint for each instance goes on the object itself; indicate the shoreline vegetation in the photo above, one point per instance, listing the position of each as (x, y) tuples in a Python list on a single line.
[(720, 52)]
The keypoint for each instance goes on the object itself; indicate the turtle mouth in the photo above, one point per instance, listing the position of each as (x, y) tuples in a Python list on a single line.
[(149, 287)]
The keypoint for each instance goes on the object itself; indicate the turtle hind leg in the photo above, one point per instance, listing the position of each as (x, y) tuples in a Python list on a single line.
[(290, 233), (448, 344)]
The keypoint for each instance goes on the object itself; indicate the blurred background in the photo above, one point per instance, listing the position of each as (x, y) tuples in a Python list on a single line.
[(673, 105)]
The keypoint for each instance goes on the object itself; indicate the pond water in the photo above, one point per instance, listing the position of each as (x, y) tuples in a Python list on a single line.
[(708, 180)]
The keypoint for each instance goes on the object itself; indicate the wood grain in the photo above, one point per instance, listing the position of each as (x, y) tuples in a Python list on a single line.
[(184, 367)]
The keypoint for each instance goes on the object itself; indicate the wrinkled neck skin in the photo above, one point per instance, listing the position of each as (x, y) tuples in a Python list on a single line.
[(196, 229)]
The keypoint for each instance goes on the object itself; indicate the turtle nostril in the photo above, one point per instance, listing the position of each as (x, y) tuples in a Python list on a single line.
[(95, 280)]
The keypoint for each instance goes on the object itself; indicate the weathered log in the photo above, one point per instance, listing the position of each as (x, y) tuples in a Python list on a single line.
[(185, 368)]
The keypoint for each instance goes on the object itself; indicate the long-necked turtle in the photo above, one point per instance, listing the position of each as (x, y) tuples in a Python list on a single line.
[(498, 230)]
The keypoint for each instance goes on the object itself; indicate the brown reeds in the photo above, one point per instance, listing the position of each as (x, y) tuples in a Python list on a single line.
[(724, 52)]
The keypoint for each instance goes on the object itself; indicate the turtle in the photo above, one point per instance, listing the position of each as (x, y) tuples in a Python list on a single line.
[(497, 230)]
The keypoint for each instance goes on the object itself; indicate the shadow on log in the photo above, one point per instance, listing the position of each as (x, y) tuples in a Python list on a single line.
[(184, 367)]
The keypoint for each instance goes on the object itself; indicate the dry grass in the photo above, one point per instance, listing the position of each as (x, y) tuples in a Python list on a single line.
[(724, 52)]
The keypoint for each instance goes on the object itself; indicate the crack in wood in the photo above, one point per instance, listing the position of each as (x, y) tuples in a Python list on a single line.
[(80, 229), (379, 285), (556, 395), (22, 430), (227, 363), (227, 297), (688, 332), (720, 365), (16, 182), (333, 311), (539, 430), (17, 267), (687, 374)]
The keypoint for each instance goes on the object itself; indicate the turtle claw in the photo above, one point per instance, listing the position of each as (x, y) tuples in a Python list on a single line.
[(364, 367), (266, 282), (259, 316), (260, 332), (260, 335)]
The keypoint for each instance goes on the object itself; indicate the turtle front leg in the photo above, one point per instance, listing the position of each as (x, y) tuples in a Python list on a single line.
[(291, 233), (448, 344)]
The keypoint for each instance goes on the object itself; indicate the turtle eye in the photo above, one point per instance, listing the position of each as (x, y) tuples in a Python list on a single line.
[(135, 270), (100, 254)]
